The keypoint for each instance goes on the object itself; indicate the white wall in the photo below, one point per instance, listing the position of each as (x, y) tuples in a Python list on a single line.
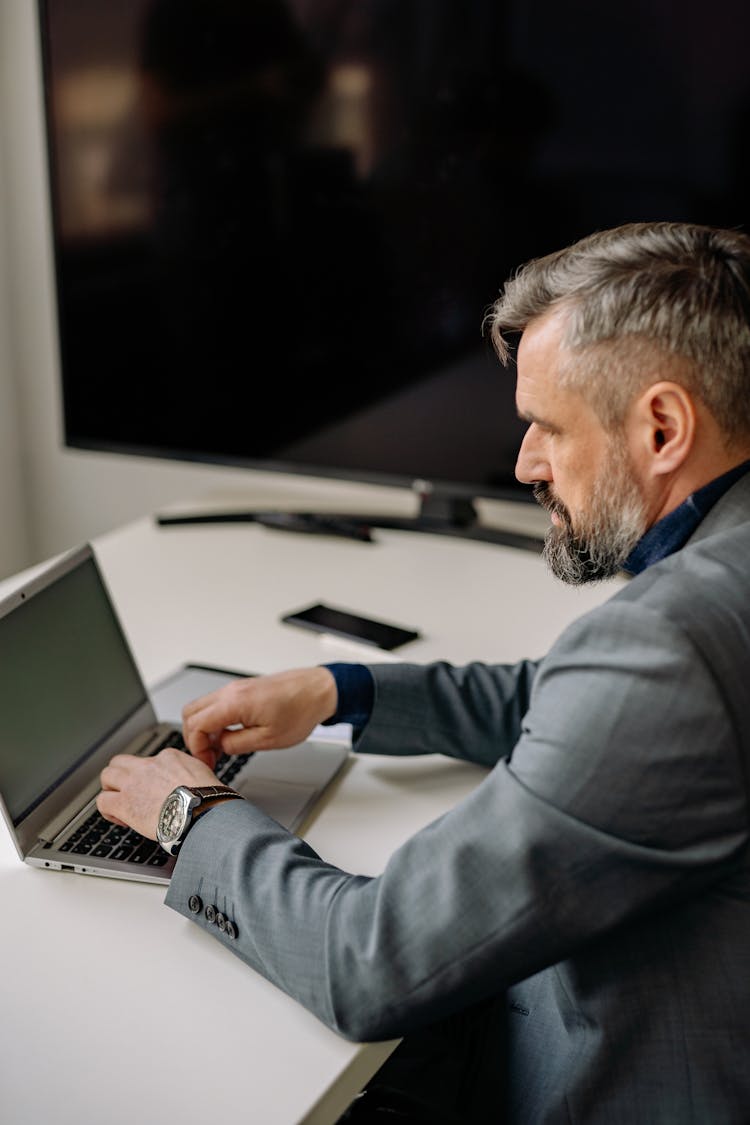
[(14, 540)]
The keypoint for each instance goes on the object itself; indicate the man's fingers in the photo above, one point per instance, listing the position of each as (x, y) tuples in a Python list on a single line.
[(107, 804), (116, 772), (245, 741), (208, 754), (205, 731), (216, 715), (220, 708)]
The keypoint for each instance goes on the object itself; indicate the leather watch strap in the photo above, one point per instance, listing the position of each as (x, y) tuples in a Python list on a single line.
[(210, 795)]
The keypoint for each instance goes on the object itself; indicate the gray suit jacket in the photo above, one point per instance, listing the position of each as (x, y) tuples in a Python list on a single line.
[(599, 875)]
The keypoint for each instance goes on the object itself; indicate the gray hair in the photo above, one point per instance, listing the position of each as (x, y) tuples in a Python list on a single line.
[(675, 296)]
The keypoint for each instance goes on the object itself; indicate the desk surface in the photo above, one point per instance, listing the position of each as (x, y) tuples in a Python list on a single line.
[(91, 967)]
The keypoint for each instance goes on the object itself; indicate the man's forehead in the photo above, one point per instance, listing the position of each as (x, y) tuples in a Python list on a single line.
[(540, 356), (543, 394)]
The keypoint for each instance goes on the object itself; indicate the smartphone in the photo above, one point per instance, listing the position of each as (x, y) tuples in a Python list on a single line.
[(327, 619)]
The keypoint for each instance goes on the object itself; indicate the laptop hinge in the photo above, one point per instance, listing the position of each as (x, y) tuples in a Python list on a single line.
[(82, 802)]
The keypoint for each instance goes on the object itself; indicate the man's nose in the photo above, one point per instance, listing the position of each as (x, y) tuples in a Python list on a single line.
[(531, 463)]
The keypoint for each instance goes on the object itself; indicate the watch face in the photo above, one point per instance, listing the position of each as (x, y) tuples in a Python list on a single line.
[(172, 818)]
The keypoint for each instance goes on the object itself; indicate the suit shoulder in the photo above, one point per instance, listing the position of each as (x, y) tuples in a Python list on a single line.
[(706, 578)]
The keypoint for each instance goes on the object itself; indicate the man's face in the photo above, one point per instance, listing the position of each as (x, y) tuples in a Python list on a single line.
[(582, 474)]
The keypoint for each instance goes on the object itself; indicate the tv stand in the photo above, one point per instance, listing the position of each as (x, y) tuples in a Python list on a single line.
[(439, 514)]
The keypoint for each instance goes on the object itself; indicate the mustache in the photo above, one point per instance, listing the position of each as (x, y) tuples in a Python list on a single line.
[(543, 494)]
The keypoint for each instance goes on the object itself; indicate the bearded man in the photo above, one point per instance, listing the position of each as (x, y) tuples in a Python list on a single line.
[(570, 943)]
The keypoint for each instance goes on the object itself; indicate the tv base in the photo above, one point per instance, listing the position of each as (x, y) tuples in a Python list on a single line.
[(446, 516)]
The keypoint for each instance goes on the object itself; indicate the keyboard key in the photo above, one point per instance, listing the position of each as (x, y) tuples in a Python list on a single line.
[(232, 770), (173, 739), (158, 859), (143, 853)]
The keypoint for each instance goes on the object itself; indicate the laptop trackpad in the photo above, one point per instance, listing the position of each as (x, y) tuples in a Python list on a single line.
[(284, 783), (304, 764)]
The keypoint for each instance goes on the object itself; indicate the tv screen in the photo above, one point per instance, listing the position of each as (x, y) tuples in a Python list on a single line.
[(278, 224)]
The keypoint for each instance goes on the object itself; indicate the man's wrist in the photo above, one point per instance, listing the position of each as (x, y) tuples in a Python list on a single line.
[(355, 689), (182, 807)]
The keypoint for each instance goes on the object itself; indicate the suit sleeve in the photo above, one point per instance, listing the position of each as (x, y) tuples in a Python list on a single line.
[(624, 792), (474, 712)]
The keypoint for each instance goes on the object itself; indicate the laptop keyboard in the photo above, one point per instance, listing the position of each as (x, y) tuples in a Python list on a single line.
[(101, 839)]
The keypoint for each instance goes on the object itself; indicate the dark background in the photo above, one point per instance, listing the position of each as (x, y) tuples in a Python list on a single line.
[(279, 223)]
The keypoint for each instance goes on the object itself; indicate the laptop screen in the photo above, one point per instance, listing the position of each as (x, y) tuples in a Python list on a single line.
[(68, 681)]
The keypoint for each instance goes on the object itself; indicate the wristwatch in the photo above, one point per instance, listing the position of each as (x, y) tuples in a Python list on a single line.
[(182, 808)]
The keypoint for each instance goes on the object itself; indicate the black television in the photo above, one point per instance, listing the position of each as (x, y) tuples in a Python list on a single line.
[(278, 224)]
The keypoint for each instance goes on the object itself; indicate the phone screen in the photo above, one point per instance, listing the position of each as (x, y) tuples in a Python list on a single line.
[(326, 619)]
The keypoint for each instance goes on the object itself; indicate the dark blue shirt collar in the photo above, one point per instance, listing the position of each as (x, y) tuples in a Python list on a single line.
[(674, 530)]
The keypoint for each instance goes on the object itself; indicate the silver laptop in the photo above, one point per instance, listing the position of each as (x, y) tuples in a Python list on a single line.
[(71, 696)]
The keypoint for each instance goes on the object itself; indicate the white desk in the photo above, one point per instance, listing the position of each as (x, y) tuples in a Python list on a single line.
[(92, 969)]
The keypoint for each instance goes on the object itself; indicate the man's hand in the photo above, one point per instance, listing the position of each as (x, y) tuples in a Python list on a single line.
[(271, 711), (134, 789)]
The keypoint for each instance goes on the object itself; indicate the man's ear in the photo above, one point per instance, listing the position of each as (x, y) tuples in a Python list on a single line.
[(664, 417)]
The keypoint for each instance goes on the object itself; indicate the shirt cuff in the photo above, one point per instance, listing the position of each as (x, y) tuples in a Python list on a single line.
[(356, 694)]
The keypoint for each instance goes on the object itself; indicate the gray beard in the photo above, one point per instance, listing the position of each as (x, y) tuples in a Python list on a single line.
[(613, 523)]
